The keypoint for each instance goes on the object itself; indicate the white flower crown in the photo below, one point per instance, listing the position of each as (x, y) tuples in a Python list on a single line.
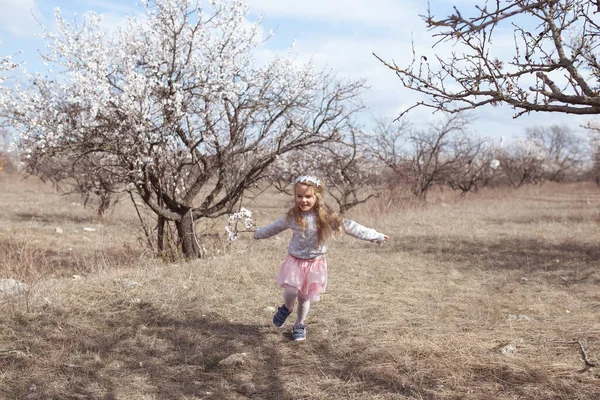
[(308, 178)]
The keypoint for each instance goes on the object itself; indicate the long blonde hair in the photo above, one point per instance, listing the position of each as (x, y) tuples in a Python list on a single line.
[(328, 222)]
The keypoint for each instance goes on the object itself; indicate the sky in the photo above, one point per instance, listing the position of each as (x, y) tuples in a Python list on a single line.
[(341, 35)]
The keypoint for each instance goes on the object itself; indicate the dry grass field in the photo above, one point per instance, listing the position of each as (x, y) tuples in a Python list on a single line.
[(495, 296)]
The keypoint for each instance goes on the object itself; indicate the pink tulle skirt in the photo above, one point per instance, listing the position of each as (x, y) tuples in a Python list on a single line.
[(308, 276)]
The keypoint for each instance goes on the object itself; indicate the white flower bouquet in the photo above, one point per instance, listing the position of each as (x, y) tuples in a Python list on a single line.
[(245, 217)]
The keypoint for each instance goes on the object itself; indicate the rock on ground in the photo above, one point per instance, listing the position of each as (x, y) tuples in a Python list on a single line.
[(12, 287)]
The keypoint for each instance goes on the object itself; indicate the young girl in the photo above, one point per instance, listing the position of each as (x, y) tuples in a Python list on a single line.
[(303, 273)]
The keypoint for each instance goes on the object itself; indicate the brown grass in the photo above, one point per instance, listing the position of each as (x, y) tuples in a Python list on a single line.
[(424, 317)]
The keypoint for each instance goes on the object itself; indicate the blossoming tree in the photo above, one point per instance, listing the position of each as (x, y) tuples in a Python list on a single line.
[(6, 147), (344, 165), (6, 64), (176, 105)]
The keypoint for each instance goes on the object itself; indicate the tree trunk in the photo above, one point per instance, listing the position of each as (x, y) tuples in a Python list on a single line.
[(343, 208), (160, 236), (187, 236), (105, 199)]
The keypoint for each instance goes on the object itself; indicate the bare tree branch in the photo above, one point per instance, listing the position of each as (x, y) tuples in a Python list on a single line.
[(555, 45)]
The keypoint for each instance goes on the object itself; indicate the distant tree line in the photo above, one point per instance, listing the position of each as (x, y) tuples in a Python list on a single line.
[(444, 154)]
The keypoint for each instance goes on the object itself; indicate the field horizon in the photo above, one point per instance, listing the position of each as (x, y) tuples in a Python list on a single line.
[(490, 296)]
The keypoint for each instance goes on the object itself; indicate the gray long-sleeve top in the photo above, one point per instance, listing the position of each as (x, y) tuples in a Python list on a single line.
[(305, 244)]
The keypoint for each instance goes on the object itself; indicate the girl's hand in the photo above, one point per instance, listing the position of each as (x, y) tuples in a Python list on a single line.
[(385, 237)]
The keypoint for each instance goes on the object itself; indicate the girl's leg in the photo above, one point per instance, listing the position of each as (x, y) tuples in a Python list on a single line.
[(302, 312), (289, 297)]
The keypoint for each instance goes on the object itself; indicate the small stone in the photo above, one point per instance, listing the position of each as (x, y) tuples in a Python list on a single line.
[(87, 229), (269, 310), (58, 230), (519, 317), (235, 360), (12, 287), (508, 350), (127, 282), (248, 389)]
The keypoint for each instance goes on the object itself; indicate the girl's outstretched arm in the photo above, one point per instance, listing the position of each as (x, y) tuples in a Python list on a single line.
[(272, 229), (358, 231)]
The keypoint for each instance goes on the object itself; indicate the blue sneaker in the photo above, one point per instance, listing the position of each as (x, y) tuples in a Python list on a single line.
[(280, 316), (299, 333)]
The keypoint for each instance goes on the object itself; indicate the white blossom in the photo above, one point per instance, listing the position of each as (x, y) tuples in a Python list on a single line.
[(244, 215)]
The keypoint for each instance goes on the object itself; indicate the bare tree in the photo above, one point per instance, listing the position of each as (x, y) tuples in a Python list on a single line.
[(596, 165), (437, 152), (176, 107), (566, 150), (388, 143), (352, 175), (424, 158), (554, 66), (594, 171), (523, 162), (473, 164)]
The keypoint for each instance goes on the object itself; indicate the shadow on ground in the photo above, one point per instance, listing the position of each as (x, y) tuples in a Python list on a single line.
[(528, 255), (138, 352)]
